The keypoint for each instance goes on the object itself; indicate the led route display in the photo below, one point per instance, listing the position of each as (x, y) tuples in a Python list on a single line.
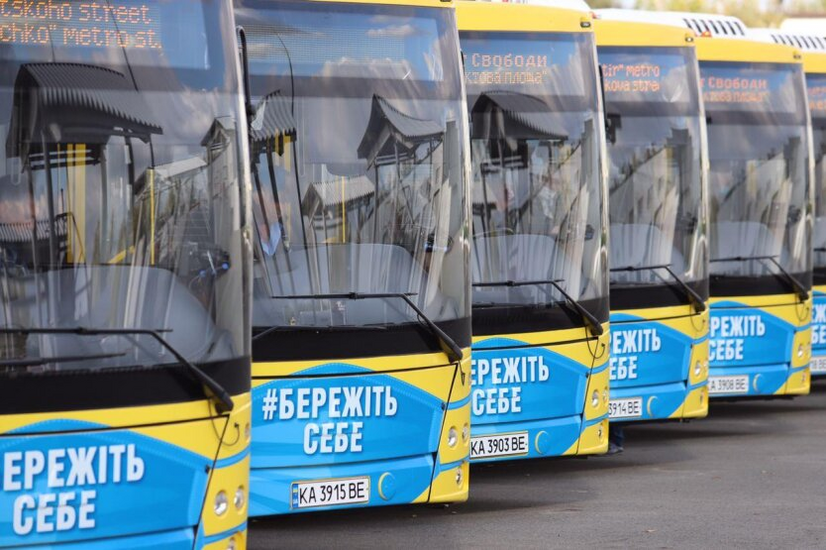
[(94, 24), (632, 77)]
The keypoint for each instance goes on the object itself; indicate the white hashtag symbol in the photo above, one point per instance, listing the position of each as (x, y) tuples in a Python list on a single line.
[(270, 404)]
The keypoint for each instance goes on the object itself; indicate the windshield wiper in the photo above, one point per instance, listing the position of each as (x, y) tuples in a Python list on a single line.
[(800, 288), (449, 346), (592, 322), (695, 299), (40, 361), (220, 396)]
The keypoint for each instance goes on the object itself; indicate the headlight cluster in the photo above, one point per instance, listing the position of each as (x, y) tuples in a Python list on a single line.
[(221, 504)]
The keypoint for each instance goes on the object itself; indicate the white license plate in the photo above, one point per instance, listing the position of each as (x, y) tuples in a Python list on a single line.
[(330, 492), (818, 365), (728, 384), (625, 408), (490, 446)]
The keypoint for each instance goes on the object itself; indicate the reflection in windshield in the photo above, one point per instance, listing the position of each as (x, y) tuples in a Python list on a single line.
[(537, 196), (358, 163), (656, 183), (759, 180), (816, 84), (119, 205)]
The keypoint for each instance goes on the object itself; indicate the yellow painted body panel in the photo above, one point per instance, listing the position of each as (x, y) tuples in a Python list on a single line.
[(784, 306), (814, 62), (430, 373), (579, 345), (696, 404), (685, 320), (193, 426), (446, 490), (487, 16), (240, 539), (745, 51), (628, 33), (594, 439), (798, 314)]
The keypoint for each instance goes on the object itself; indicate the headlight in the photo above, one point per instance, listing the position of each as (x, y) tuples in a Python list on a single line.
[(800, 350), (231, 544), (595, 398), (459, 477), (605, 395), (221, 503), (240, 498), (452, 437), (465, 432), (698, 368), (599, 432)]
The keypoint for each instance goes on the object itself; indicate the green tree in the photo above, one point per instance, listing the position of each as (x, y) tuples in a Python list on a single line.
[(599, 4)]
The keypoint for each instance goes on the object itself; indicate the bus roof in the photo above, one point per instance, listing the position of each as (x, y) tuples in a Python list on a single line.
[(617, 27), (544, 16), (726, 38), (812, 46)]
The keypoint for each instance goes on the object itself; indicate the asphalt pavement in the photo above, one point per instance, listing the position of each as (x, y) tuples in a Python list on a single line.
[(752, 475)]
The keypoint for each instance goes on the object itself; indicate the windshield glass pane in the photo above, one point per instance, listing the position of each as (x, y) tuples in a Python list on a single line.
[(119, 195), (759, 180), (656, 182), (359, 163), (536, 145), (816, 84)]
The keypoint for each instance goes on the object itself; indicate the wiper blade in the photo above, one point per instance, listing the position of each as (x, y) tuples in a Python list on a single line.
[(220, 396), (40, 361), (800, 288), (592, 322), (449, 346), (695, 299)]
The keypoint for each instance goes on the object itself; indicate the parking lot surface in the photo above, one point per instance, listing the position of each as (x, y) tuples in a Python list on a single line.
[(752, 475)]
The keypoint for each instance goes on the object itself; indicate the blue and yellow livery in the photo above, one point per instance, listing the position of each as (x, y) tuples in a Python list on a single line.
[(124, 289), (539, 271), (813, 49), (761, 209), (657, 207), (361, 314)]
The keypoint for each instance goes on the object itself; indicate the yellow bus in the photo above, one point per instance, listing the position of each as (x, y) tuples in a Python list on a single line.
[(657, 195), (124, 291), (813, 49), (361, 297), (761, 201), (539, 271)]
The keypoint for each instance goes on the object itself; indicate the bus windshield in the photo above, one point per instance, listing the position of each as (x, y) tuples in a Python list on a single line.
[(759, 178), (358, 164), (656, 182), (816, 84), (120, 204), (537, 188)]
